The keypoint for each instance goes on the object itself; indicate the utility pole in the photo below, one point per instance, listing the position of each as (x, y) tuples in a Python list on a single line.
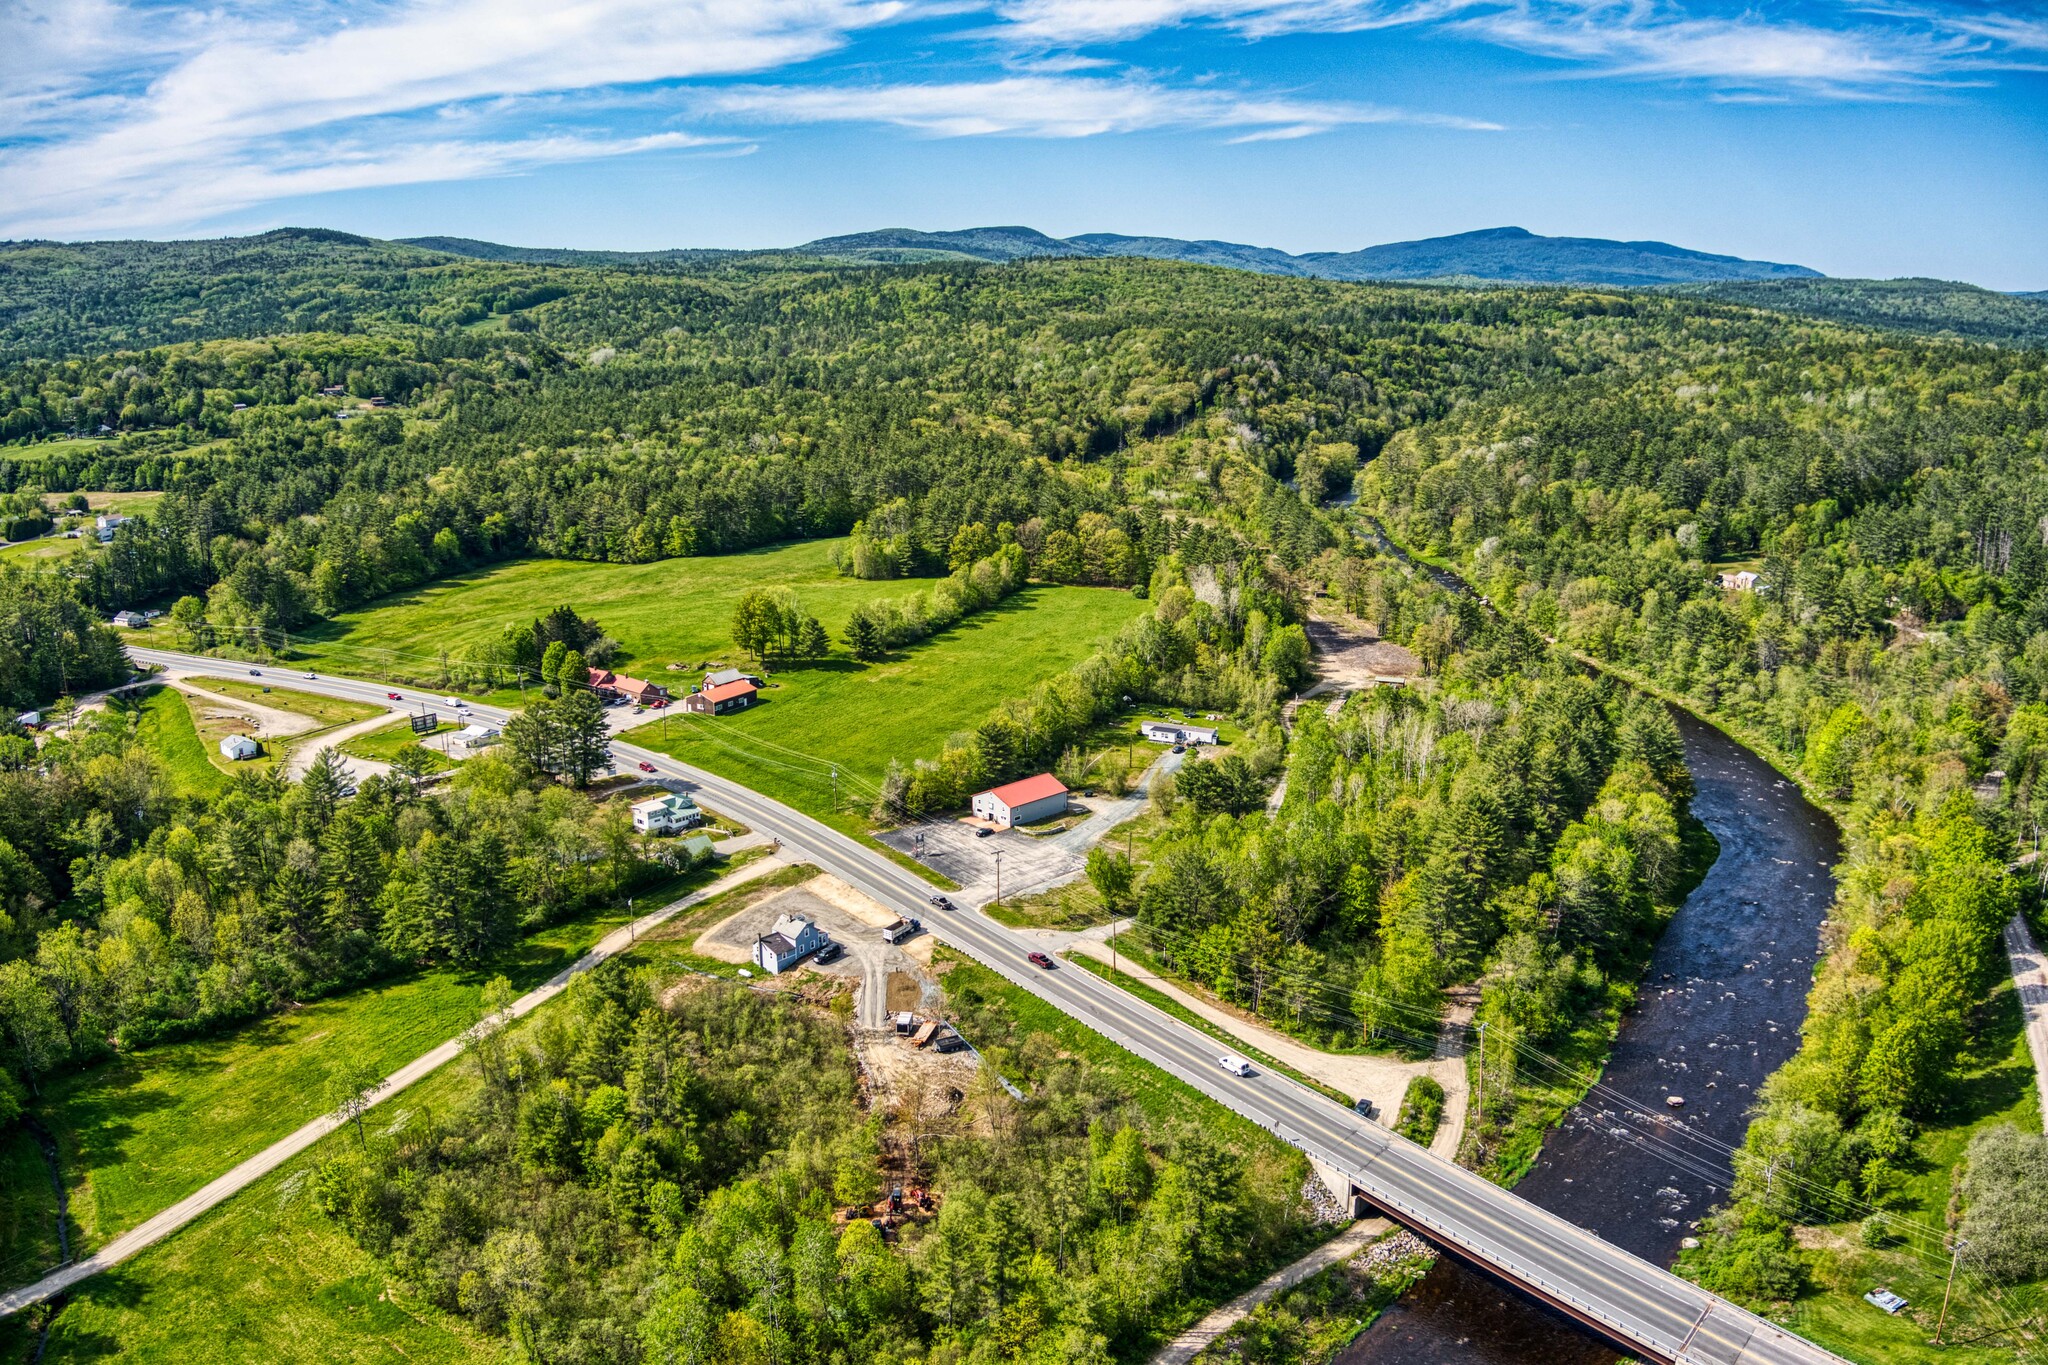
[(1479, 1090), (1953, 1262), (999, 878)]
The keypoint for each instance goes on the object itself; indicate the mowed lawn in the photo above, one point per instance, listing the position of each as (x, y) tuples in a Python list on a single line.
[(671, 611), (168, 731), (859, 716)]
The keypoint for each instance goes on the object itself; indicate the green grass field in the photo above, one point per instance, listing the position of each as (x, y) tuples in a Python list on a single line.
[(858, 717), (325, 711), (168, 731), (673, 611), (141, 1131)]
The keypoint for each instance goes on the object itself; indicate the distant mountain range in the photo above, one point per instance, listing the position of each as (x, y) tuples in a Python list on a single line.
[(1508, 253)]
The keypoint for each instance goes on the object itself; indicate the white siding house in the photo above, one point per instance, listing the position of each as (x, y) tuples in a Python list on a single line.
[(1173, 732), (666, 814), (238, 747)]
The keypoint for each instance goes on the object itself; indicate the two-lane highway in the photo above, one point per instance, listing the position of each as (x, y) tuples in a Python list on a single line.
[(1642, 1306)]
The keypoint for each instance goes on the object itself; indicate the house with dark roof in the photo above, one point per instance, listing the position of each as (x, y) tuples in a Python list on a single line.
[(792, 939)]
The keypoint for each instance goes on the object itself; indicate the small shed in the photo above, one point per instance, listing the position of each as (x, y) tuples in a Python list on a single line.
[(238, 747), (1019, 803)]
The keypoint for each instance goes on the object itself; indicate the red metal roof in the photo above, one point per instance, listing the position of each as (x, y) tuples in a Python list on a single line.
[(1025, 790), (726, 690)]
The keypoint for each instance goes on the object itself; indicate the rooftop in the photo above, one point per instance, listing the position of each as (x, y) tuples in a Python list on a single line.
[(1028, 789)]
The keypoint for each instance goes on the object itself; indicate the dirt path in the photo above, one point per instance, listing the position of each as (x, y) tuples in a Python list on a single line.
[(303, 755), (275, 724), (1342, 1247), (2030, 977)]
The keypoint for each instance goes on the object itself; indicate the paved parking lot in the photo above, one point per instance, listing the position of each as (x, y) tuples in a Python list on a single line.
[(1029, 863)]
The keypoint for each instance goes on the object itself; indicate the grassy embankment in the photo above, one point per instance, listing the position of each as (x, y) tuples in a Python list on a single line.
[(266, 1278), (167, 730), (1994, 1084), (139, 1132), (382, 745)]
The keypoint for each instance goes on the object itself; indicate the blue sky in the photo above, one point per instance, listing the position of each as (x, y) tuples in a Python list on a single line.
[(1880, 137)]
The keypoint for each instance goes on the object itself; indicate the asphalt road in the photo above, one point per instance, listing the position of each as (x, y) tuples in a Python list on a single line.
[(1641, 1305)]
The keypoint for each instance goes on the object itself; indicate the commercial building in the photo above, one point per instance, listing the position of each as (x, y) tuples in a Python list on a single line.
[(737, 695), (1021, 802)]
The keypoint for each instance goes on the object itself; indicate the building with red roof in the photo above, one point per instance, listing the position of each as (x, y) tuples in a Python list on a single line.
[(716, 701), (1023, 801)]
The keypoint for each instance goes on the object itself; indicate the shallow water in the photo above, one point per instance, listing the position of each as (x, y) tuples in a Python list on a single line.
[(1719, 1011)]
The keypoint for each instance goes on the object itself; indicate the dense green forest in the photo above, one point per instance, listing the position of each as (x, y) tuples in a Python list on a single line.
[(1593, 460)]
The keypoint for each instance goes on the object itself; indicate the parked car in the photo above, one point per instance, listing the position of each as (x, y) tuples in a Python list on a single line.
[(646, 767), (831, 952), (1366, 1109), (1039, 960), (1234, 1064), (1180, 748), (983, 832)]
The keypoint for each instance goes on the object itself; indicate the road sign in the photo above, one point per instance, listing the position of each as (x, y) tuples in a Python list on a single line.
[(425, 723)]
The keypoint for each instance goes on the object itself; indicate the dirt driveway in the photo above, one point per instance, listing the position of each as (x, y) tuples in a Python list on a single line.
[(824, 901)]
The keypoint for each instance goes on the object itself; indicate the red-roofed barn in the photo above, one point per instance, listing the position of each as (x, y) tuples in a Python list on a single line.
[(716, 701), (1020, 802)]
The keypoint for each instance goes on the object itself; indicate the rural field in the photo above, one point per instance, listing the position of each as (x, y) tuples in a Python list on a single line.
[(673, 611), (859, 716)]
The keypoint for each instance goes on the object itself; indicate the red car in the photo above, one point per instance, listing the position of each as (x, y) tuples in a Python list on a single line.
[(646, 767), (1039, 960), (394, 696)]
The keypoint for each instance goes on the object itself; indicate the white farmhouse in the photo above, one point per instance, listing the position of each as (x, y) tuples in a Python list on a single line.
[(235, 748), (666, 814)]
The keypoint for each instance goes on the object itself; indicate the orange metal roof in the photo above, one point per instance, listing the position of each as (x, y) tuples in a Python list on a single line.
[(1028, 789), (725, 690)]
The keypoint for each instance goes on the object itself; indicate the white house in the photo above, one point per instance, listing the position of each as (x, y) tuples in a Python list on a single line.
[(473, 737), (133, 620), (1745, 581), (1173, 732), (1021, 802), (106, 523), (793, 939), (238, 747), (666, 814)]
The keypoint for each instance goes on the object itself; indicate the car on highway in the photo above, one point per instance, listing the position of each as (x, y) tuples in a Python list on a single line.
[(310, 676), (1039, 960), (941, 902), (646, 767), (255, 672), (1234, 1064), (394, 696)]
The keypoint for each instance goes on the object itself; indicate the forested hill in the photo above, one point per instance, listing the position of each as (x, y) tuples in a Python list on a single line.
[(1937, 307)]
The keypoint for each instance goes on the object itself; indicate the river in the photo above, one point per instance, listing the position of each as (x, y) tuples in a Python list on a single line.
[(1719, 1010)]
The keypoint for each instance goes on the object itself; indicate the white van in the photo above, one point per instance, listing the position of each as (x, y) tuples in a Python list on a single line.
[(1234, 1064)]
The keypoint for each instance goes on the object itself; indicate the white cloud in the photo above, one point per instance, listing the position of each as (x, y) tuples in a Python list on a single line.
[(257, 105), (1056, 107)]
